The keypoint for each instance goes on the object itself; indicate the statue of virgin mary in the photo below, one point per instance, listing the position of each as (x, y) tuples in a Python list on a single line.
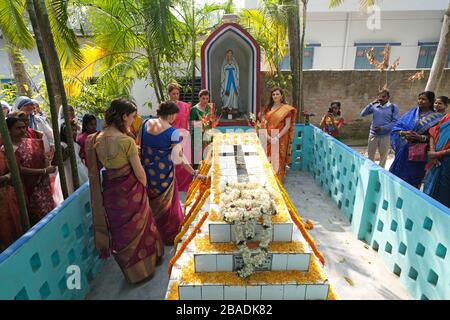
[(229, 80)]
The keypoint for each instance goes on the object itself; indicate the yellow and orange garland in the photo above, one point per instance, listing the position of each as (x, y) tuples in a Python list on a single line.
[(201, 199), (196, 184), (194, 232)]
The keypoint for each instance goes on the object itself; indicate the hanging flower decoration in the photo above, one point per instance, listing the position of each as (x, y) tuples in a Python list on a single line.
[(243, 205)]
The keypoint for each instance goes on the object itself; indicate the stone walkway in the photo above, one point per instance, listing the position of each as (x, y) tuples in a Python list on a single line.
[(354, 270)]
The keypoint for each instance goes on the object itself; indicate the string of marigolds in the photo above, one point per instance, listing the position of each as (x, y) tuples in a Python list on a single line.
[(186, 242), (195, 209), (196, 184), (298, 222), (203, 170)]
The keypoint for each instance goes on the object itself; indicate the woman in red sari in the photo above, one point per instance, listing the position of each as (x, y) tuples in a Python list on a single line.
[(123, 221), (34, 168), (278, 118), (181, 123), (10, 227)]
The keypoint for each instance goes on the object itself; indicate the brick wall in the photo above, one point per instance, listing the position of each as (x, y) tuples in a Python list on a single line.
[(355, 88)]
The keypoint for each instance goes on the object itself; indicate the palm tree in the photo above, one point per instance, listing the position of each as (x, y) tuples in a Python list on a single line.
[(296, 53), (14, 29), (195, 21), (15, 175), (136, 37), (42, 41), (364, 4), (268, 26), (441, 57)]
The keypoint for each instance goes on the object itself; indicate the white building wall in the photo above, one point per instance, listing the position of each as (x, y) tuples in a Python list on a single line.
[(405, 27)]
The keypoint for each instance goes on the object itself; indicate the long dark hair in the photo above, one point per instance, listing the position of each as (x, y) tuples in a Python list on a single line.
[(271, 102), (86, 119), (118, 108)]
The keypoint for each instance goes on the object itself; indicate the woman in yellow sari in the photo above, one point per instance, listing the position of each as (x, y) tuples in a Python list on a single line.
[(123, 222), (278, 118)]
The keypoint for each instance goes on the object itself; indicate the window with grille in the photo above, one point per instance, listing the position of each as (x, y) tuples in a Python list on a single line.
[(308, 59)]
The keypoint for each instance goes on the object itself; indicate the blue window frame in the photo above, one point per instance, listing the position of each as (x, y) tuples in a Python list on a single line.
[(361, 61), (6, 81), (308, 58), (427, 53)]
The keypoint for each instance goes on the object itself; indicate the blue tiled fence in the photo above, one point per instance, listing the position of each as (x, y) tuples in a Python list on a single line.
[(409, 230), (36, 266)]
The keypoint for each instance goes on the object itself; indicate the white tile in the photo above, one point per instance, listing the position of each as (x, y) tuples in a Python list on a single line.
[(205, 263), (274, 292), (279, 261), (254, 293), (225, 262), (190, 292), (228, 172), (282, 232), (298, 262), (234, 293), (294, 292), (316, 292), (219, 232), (212, 292)]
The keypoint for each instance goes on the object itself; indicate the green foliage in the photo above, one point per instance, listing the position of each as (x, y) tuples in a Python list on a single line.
[(95, 97), (12, 23), (268, 25), (363, 3)]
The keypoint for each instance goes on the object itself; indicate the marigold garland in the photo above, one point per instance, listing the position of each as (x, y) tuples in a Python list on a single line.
[(194, 232), (314, 275), (193, 215), (195, 185), (202, 244), (203, 189), (173, 292)]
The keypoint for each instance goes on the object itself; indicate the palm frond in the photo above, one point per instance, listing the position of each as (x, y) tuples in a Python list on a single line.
[(65, 39), (364, 4), (13, 25)]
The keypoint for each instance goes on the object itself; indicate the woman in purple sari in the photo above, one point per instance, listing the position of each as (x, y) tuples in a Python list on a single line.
[(411, 128), (123, 221), (161, 150)]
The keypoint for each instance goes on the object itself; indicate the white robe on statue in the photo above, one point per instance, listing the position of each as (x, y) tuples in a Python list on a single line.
[(230, 84)]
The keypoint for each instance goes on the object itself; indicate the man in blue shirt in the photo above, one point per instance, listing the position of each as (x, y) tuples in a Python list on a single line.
[(385, 115)]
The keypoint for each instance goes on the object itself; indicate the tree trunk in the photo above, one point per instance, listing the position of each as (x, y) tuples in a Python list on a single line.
[(194, 36), (15, 175), (44, 25), (18, 69), (51, 94), (294, 52), (441, 58), (302, 55), (152, 76), (154, 70)]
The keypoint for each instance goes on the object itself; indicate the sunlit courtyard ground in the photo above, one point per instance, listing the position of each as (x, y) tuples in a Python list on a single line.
[(353, 268)]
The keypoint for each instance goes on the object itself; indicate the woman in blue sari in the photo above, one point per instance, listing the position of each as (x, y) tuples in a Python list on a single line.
[(437, 180), (411, 128), (160, 151)]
